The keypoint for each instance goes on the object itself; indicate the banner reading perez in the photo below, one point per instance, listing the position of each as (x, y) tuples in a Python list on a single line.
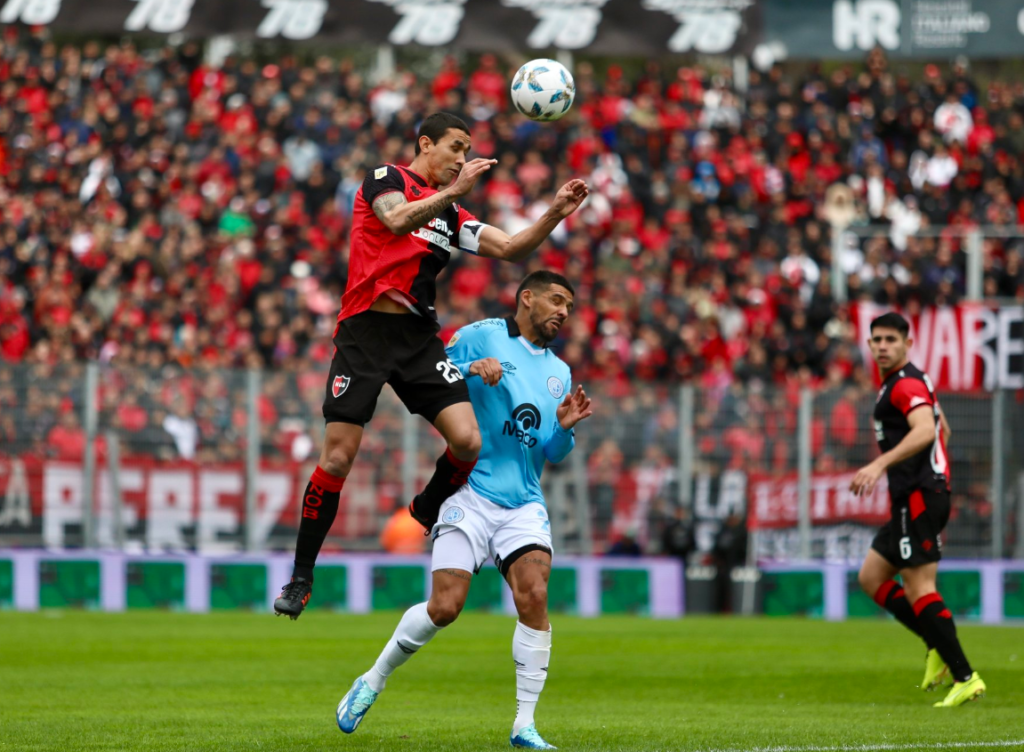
[(171, 506)]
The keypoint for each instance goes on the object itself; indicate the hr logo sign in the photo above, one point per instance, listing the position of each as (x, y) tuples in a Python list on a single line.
[(866, 23)]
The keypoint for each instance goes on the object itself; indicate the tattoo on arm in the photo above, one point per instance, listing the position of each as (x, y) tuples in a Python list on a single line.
[(424, 211), (457, 573), (387, 202), (419, 213), (533, 560)]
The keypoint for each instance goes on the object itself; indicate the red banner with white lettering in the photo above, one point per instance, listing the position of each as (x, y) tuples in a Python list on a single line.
[(773, 501), (962, 348), (175, 505)]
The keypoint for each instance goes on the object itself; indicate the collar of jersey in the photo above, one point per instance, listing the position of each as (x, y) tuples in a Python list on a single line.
[(513, 331), (415, 175)]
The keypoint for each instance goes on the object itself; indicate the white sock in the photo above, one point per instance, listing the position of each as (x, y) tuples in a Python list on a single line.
[(413, 632), (531, 650)]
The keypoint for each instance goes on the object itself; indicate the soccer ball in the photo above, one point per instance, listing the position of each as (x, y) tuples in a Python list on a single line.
[(543, 90)]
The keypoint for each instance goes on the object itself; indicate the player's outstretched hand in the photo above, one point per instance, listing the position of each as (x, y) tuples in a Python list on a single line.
[(488, 369), (570, 197), (865, 479), (574, 408), (470, 173)]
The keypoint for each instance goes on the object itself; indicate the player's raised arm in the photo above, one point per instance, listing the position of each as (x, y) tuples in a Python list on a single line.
[(495, 243), (402, 216)]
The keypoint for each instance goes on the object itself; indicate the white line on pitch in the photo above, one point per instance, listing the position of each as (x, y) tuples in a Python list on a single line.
[(873, 747)]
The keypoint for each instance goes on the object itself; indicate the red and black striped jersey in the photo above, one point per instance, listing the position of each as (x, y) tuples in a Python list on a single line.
[(902, 392), (404, 267)]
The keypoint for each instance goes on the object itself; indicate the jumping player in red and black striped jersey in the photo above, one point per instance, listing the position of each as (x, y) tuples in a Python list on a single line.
[(406, 222), (912, 432)]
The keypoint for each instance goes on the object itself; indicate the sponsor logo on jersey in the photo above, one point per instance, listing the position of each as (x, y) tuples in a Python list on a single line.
[(507, 367), (556, 387), (527, 416), (915, 401), (452, 515), (416, 192), (380, 173), (436, 232), (455, 338), (340, 385)]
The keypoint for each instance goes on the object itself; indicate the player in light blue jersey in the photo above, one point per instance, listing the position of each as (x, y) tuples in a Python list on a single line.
[(526, 407)]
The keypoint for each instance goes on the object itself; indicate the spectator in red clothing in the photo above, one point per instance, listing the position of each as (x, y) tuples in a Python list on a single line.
[(489, 83), (448, 78), (66, 440)]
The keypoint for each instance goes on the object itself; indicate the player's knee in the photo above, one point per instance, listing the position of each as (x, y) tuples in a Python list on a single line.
[(337, 458), (466, 443), (532, 600), (868, 582), (444, 612), (917, 590), (864, 581)]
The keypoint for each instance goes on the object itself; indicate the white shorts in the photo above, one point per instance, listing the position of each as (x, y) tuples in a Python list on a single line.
[(488, 531)]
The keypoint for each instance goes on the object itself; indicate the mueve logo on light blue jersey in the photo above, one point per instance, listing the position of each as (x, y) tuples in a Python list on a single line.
[(529, 416)]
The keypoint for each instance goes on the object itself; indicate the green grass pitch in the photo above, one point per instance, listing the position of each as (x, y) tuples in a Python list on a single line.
[(240, 681)]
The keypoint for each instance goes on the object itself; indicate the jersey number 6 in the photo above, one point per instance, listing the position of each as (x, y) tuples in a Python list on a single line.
[(450, 371)]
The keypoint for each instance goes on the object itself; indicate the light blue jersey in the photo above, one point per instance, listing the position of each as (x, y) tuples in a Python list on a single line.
[(517, 417)]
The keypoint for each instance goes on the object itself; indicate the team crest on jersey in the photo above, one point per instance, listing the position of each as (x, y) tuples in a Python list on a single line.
[(340, 385), (452, 515), (556, 387), (453, 340), (380, 173)]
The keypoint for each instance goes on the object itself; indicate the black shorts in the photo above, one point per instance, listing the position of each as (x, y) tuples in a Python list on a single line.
[(373, 348), (911, 537)]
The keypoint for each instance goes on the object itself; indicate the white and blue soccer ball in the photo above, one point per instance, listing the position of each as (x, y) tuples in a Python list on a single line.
[(543, 90)]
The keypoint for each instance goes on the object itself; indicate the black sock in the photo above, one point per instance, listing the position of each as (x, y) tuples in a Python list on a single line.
[(891, 597), (937, 624), (319, 508), (450, 474)]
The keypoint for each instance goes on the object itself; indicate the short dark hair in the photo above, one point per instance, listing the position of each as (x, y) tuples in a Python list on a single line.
[(892, 320), (435, 126), (542, 280)]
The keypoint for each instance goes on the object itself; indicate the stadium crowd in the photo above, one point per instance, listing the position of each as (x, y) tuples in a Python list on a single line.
[(172, 219)]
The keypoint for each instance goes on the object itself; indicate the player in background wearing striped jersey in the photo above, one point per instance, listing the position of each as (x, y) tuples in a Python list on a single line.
[(405, 224), (913, 445)]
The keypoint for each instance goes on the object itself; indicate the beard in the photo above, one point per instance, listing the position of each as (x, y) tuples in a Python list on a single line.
[(545, 328)]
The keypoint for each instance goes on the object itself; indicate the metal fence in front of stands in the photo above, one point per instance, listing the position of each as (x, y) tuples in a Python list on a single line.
[(179, 459)]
